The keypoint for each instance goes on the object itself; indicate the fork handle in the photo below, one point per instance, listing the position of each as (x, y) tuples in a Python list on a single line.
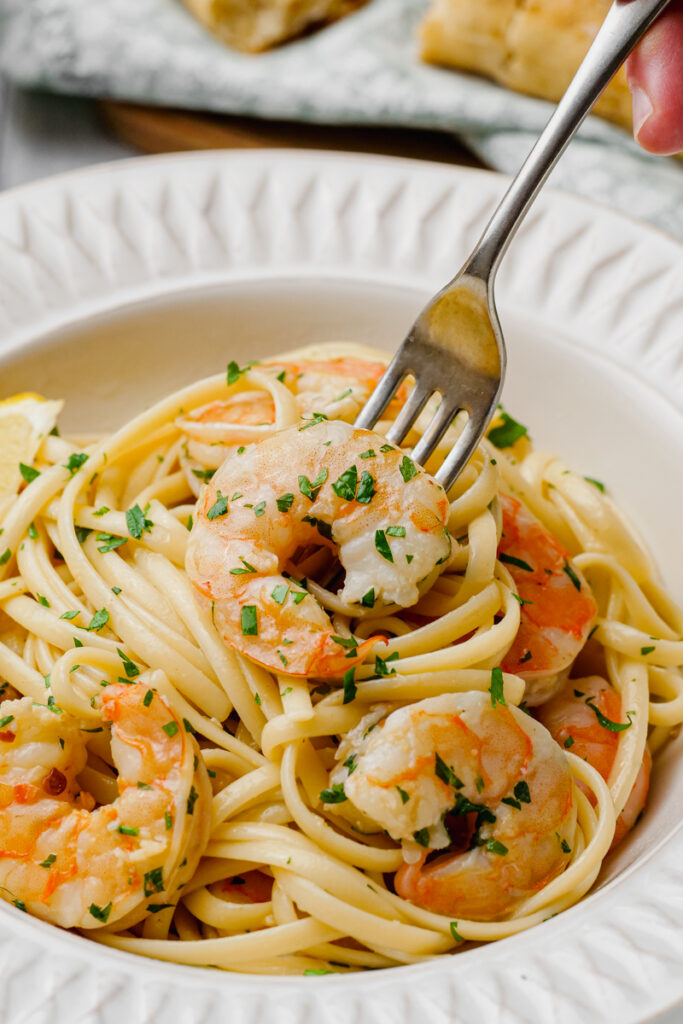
[(623, 27)]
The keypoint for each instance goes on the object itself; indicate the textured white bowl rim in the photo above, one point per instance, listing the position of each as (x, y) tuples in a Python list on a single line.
[(92, 240)]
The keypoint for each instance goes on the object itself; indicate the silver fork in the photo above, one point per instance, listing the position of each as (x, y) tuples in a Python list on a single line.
[(455, 348)]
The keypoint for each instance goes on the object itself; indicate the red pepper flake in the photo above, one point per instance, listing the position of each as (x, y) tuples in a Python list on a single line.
[(54, 782), (7, 737)]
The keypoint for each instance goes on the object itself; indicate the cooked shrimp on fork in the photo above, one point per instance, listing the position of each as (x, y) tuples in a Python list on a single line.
[(323, 483)]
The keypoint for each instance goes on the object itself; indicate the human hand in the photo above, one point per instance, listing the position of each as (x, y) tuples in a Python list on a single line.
[(655, 77)]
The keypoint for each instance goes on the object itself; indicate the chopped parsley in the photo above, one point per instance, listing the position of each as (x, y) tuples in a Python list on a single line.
[(100, 913), (75, 461), (46, 604), (323, 528), (446, 774), (192, 800), (127, 830), (334, 795), (171, 729), (317, 418), (407, 467), (99, 619), (368, 599), (569, 742), (249, 620), (522, 793), (455, 933), (382, 545), (154, 881), (496, 689), (369, 454), (311, 488), (507, 433), (647, 650), (129, 666), (381, 666), (109, 542), (137, 523), (596, 483), (493, 846), (349, 686), (29, 473), (32, 532), (279, 594), (259, 509), (396, 531), (607, 723), (511, 560), (70, 615), (219, 508), (566, 848), (204, 474), (284, 502), (246, 568), (345, 487), (148, 698), (234, 373), (572, 575), (404, 796), (5, 557), (49, 861), (366, 489), (421, 837)]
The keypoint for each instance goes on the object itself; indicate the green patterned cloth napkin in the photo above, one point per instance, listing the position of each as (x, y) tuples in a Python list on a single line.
[(362, 70)]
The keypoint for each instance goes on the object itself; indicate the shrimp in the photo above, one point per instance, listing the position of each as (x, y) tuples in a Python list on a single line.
[(322, 483), (571, 719), (557, 606), (82, 868), (337, 388), (479, 795)]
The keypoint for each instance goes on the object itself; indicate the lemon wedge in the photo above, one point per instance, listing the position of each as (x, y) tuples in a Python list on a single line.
[(24, 421)]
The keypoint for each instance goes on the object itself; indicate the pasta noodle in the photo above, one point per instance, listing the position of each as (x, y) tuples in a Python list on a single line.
[(94, 592)]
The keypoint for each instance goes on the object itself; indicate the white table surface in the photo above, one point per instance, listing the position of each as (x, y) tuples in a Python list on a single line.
[(42, 134)]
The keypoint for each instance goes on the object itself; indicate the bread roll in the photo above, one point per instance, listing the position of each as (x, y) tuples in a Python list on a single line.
[(255, 25), (532, 46)]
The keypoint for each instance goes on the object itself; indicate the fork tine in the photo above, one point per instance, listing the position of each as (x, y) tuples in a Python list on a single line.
[(379, 399), (442, 420), (462, 450), (415, 403)]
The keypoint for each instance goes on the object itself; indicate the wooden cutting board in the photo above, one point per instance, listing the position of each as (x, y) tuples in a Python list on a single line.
[(160, 130)]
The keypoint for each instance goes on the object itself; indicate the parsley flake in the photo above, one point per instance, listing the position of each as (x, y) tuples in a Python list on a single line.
[(350, 687), (284, 502), (29, 473), (507, 433), (408, 468), (219, 507), (100, 913), (249, 620), (99, 619), (382, 545), (334, 795), (496, 689)]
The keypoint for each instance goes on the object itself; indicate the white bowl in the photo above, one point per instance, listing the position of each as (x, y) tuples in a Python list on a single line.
[(120, 283)]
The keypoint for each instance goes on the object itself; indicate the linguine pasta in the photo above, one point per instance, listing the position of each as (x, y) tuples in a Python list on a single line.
[(94, 591)]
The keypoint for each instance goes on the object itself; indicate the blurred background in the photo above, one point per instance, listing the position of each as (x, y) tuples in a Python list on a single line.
[(451, 80)]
